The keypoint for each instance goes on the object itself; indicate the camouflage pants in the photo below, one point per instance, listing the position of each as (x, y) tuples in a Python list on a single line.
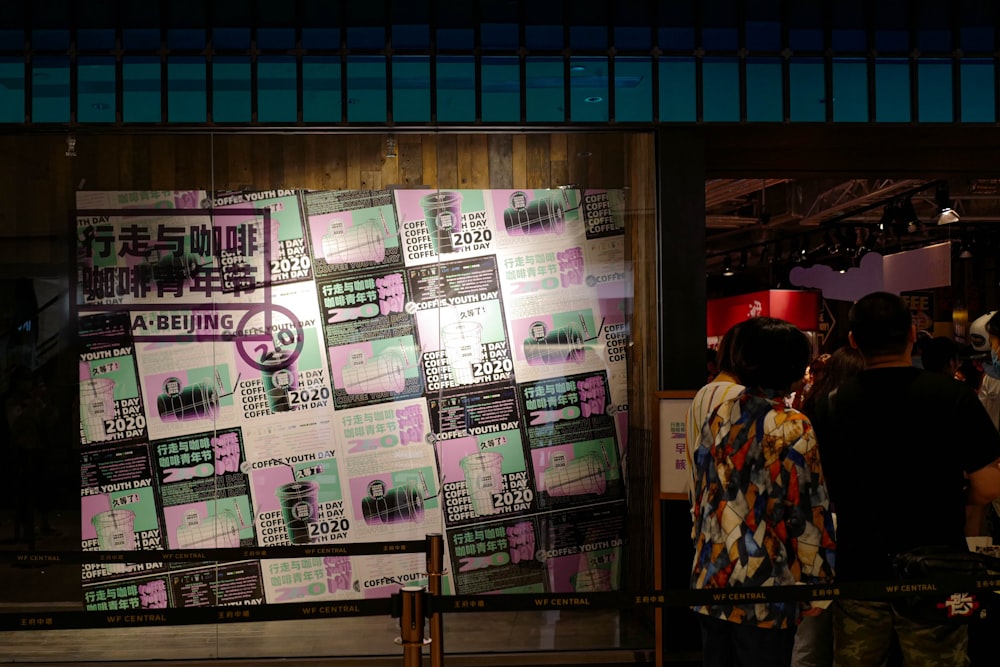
[(862, 633)]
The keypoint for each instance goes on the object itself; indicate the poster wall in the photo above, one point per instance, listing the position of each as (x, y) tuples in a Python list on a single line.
[(334, 367)]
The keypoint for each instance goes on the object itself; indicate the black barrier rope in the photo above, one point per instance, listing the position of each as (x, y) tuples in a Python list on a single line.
[(506, 602), (221, 554)]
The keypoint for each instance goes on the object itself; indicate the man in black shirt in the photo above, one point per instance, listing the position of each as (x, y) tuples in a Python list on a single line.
[(905, 453)]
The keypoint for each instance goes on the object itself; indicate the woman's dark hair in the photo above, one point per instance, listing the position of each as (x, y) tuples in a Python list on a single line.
[(842, 365), (724, 356), (770, 354), (880, 324)]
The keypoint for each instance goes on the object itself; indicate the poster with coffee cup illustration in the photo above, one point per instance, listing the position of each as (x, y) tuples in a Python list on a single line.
[(204, 495), (111, 406), (604, 212), (582, 549), (364, 305), (229, 584), (460, 318), (393, 477), (282, 250), (346, 240), (560, 339), (280, 359), (536, 218), (118, 507), (298, 498), (572, 438), (145, 592), (496, 557), (307, 580), (439, 225), (375, 371)]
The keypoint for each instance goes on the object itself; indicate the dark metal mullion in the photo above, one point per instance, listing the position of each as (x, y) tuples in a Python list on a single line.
[(996, 71), (956, 69), (699, 63), (344, 100), (828, 62), (209, 53), (164, 69), (29, 91), (611, 52), (433, 51), (254, 51), (522, 61), (74, 80), (654, 55), (912, 60), (119, 76), (477, 58), (299, 69)]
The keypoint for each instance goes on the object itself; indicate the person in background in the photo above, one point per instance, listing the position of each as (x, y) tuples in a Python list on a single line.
[(814, 637), (905, 451), (941, 356), (814, 373), (759, 502), (984, 334)]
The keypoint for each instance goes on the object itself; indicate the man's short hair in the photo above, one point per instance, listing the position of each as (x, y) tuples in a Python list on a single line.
[(880, 324), (770, 354), (938, 352)]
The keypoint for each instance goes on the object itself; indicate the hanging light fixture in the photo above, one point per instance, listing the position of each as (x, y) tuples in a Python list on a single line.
[(727, 267), (942, 198), (907, 215)]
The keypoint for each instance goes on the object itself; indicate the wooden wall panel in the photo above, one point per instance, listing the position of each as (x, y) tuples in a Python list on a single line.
[(537, 160), (500, 161), (519, 160)]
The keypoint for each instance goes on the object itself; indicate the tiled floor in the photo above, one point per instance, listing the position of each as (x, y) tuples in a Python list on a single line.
[(507, 638)]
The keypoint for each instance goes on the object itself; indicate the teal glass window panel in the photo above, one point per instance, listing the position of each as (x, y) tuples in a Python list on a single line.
[(141, 95), (499, 36), (95, 89), (367, 100), (544, 37), (231, 38), (275, 38), (633, 38), (94, 39), (763, 36), (50, 89), (415, 36), (186, 39), (276, 89), (850, 90), (456, 89), (321, 39), (50, 40), (140, 39), (12, 90), (807, 90), (977, 38), (11, 40), (892, 91), (231, 89), (978, 99), (633, 89), (454, 39), (588, 90), (676, 38), (764, 94), (187, 96), (934, 40), (934, 96), (322, 98), (545, 89), (720, 39), (411, 89), (848, 40), (501, 89), (805, 39), (366, 37), (892, 41), (677, 98), (588, 37), (720, 89)]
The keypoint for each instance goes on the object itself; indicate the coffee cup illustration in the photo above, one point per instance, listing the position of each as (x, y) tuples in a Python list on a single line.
[(279, 378), (397, 505), (218, 531), (559, 346), (541, 216), (299, 505), (115, 532), (97, 406), (196, 401), (594, 580), (443, 217), (483, 477), (463, 347), (364, 242), (384, 373), (577, 477)]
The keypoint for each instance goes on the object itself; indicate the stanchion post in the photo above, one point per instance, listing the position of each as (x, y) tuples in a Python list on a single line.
[(435, 570), (411, 625)]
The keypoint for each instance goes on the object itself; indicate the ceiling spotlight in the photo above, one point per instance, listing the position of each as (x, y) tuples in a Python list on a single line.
[(942, 198), (965, 248), (907, 215), (727, 267)]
